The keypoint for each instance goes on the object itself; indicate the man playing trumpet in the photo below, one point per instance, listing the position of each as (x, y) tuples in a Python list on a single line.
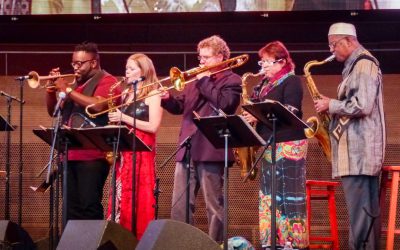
[(87, 169)]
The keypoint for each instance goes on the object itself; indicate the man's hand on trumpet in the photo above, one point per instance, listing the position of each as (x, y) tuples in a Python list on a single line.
[(50, 87), (56, 84)]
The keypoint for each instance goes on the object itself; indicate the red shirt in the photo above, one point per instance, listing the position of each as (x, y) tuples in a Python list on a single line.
[(102, 89)]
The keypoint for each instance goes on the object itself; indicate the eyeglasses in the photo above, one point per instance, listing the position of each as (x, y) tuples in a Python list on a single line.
[(333, 44), (205, 58), (78, 64), (269, 63)]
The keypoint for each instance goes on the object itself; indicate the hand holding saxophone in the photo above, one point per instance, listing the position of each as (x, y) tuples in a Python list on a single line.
[(116, 116), (249, 118), (322, 104)]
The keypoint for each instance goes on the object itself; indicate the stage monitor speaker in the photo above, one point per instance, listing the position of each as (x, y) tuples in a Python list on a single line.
[(171, 234), (95, 234), (13, 236)]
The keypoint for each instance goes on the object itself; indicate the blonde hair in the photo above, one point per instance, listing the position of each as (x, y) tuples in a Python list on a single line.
[(217, 44), (148, 71)]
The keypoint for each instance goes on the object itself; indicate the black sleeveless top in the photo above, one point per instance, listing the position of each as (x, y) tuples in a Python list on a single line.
[(142, 110)]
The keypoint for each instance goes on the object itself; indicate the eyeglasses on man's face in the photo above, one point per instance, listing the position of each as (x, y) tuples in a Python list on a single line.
[(268, 63), (332, 45), (205, 58), (78, 64)]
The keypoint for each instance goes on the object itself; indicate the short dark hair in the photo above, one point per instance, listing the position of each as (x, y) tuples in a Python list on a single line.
[(89, 48)]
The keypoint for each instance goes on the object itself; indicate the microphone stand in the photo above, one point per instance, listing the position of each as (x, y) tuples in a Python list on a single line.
[(9, 99), (7, 196), (258, 159), (187, 145), (21, 164), (157, 192), (187, 159), (273, 183), (134, 161), (49, 180)]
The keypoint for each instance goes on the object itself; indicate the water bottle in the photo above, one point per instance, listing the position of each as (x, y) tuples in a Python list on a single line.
[(288, 245)]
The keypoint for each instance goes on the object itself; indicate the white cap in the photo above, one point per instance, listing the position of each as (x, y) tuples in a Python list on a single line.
[(342, 29)]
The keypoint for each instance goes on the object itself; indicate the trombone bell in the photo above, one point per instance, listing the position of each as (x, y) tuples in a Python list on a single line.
[(177, 78)]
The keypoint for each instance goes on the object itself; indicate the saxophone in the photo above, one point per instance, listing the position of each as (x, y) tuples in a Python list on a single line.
[(111, 106), (319, 126), (245, 157)]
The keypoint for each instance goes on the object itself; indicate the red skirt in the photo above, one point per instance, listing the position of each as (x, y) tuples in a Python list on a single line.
[(144, 189)]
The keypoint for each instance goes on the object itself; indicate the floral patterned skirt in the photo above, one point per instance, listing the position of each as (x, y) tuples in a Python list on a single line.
[(291, 219)]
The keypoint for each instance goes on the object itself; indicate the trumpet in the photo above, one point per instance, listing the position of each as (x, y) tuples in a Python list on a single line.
[(36, 81), (177, 79)]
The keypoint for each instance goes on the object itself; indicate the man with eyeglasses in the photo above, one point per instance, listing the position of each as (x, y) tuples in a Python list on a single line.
[(357, 133), (210, 93), (87, 169)]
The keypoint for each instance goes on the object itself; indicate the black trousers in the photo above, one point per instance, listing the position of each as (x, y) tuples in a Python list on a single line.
[(85, 189)]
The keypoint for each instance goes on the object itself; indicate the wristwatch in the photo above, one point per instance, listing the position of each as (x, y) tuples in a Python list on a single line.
[(68, 90)]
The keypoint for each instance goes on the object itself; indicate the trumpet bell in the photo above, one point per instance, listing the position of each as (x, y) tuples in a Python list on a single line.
[(33, 80)]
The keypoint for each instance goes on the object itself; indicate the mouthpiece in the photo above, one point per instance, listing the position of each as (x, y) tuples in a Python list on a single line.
[(330, 58)]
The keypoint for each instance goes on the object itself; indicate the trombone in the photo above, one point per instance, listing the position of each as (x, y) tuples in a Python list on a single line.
[(36, 81), (178, 80)]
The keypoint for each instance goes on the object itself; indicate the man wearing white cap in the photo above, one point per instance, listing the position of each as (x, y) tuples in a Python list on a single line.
[(357, 133)]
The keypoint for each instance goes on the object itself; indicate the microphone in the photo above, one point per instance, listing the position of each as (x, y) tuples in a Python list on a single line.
[(140, 79), (12, 97), (61, 97), (22, 78), (87, 120)]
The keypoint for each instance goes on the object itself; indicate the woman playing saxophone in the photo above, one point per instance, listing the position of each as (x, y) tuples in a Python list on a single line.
[(148, 114), (280, 84)]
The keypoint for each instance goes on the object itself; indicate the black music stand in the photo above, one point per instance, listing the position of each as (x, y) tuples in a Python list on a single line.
[(223, 132), (114, 138), (68, 139), (279, 120), (103, 138), (4, 125)]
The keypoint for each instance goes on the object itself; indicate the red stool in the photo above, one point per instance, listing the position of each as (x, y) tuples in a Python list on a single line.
[(393, 184), (324, 190)]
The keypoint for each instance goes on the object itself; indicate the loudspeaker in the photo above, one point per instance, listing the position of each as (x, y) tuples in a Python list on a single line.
[(171, 234), (95, 234), (13, 236)]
